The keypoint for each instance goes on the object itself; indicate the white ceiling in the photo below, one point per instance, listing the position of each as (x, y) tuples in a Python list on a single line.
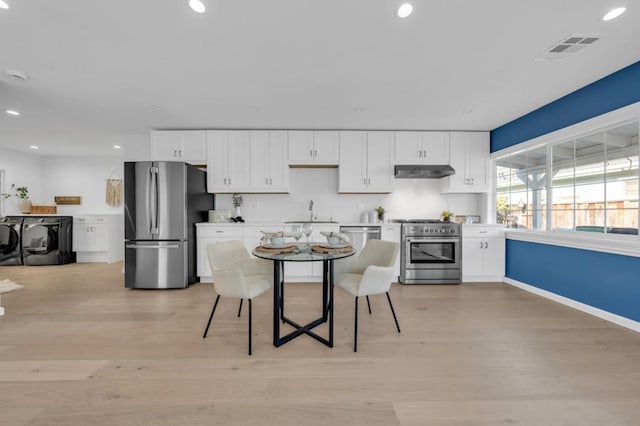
[(97, 67)]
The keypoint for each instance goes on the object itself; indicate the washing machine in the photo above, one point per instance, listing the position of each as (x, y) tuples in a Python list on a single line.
[(10, 248), (47, 240)]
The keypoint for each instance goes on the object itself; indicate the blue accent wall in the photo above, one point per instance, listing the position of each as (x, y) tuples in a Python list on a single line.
[(607, 94), (607, 281)]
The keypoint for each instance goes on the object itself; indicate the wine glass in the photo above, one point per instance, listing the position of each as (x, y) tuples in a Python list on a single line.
[(307, 229), (296, 231)]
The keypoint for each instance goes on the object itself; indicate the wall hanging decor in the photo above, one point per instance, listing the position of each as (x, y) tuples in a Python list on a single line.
[(114, 190)]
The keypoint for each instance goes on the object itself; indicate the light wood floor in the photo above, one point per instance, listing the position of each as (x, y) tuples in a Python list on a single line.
[(76, 348)]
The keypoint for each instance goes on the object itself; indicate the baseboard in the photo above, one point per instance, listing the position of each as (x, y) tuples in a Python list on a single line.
[(482, 279), (607, 316)]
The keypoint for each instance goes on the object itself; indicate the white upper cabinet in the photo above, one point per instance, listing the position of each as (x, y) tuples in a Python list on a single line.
[(307, 147), (179, 145), (269, 168), (366, 163), (470, 158), (229, 161), (422, 148)]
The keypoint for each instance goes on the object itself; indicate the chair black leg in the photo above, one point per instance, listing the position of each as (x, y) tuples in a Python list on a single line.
[(249, 326), (355, 328), (369, 305), (240, 308), (211, 317), (393, 312)]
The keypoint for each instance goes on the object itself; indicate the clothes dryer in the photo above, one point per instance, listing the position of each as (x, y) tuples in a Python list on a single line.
[(47, 240), (10, 238)]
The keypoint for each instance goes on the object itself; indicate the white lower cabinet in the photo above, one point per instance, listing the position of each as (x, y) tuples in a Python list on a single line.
[(392, 233), (98, 238), (483, 253), (211, 234)]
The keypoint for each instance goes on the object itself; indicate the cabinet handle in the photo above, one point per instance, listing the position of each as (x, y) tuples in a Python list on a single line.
[(419, 153), (368, 181), (481, 245), (315, 153), (219, 232), (311, 153), (472, 181), (424, 154), (180, 153), (486, 245), (229, 181), (266, 181), (225, 181), (270, 181)]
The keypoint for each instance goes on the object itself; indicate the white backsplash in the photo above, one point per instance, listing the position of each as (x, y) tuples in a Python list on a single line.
[(412, 198)]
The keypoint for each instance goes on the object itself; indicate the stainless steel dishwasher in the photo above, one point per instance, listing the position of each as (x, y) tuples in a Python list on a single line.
[(359, 235)]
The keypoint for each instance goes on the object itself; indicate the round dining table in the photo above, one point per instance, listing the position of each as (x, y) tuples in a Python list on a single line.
[(303, 252)]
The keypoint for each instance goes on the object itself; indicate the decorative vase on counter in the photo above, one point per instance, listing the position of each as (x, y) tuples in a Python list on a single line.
[(25, 206)]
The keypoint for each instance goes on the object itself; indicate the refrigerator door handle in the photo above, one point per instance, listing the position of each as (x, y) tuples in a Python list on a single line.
[(139, 246), (154, 204)]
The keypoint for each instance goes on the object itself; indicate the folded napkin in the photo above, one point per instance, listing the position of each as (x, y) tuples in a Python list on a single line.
[(342, 237)]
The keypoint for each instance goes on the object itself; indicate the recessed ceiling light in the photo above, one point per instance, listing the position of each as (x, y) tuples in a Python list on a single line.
[(197, 6), (404, 10), (614, 13), (117, 146), (34, 147), (156, 107), (358, 109), (255, 108), (12, 112), (4, 4)]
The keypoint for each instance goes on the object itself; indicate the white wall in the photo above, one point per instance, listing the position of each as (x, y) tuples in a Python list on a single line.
[(22, 170), (80, 176), (413, 198)]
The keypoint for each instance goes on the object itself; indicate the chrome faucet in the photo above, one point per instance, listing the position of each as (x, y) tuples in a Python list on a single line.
[(311, 210)]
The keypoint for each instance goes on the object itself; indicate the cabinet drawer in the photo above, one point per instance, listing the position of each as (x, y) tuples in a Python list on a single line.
[(474, 232), (221, 232)]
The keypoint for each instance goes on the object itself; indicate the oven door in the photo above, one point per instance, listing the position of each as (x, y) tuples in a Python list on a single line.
[(432, 253)]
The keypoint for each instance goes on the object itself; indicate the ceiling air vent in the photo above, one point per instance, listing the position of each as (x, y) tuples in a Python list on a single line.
[(567, 46)]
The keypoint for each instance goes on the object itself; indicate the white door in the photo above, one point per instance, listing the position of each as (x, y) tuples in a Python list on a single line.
[(494, 256), (278, 167), (477, 159), (352, 171), (300, 147), (239, 161), (217, 160), (379, 161), (326, 147), (165, 145), (472, 258), (435, 148), (193, 146), (408, 148), (259, 160)]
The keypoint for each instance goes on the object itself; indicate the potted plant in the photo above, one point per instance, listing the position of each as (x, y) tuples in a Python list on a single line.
[(21, 192), (380, 211), (446, 216), (237, 204)]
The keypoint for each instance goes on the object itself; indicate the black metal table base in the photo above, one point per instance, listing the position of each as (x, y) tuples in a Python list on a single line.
[(278, 307)]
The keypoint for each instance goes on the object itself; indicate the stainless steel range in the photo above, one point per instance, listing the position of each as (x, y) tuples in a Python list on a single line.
[(430, 252)]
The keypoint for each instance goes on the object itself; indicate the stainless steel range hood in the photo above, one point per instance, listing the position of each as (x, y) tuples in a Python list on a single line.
[(420, 171)]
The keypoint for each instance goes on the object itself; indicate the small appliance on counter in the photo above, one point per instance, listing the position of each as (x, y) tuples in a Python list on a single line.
[(163, 202)]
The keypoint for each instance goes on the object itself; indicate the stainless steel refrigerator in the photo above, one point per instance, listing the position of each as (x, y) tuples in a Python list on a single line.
[(163, 202)]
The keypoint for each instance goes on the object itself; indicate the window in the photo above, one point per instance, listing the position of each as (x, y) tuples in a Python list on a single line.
[(591, 182)]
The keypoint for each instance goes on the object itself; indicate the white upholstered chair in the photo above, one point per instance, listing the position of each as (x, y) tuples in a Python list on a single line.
[(369, 273), (237, 274)]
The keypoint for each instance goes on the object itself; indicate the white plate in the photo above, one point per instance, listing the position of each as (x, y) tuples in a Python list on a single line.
[(331, 246), (275, 246)]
